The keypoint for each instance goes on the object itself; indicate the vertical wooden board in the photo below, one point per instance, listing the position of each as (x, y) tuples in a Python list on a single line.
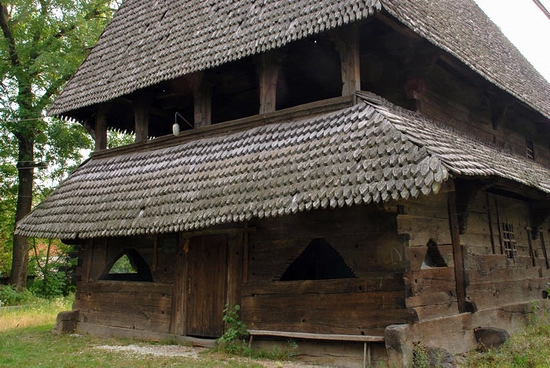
[(234, 268), (177, 326), (99, 260), (206, 285), (458, 253)]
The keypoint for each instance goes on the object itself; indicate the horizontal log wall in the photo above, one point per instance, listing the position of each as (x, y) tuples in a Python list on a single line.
[(494, 279), (364, 236), (431, 290), (135, 305), (502, 125)]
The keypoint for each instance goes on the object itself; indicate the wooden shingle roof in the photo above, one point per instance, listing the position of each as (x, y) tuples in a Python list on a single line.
[(152, 41), (148, 42), (369, 152)]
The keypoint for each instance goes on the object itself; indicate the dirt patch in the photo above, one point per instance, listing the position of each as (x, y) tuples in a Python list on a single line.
[(156, 350), (191, 352)]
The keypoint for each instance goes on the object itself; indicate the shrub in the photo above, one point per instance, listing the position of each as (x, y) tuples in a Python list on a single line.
[(233, 339), (9, 296)]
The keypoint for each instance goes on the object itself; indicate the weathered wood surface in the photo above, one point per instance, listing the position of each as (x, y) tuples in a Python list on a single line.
[(356, 313), (313, 336), (135, 305), (369, 246), (100, 128), (206, 285), (342, 286)]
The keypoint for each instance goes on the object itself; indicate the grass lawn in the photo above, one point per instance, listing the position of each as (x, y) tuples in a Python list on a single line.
[(26, 341)]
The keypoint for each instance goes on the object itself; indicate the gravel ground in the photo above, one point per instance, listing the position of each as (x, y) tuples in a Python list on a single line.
[(190, 352)]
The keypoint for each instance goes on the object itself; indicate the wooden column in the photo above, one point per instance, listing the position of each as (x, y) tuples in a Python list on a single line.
[(458, 253), (346, 41), (202, 100), (100, 129), (142, 105), (269, 75)]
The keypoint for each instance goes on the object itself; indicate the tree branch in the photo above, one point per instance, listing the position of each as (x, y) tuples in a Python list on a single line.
[(4, 17)]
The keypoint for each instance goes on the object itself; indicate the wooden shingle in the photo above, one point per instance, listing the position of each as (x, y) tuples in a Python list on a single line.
[(370, 152)]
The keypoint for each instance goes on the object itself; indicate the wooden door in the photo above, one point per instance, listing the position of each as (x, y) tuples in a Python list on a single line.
[(206, 285)]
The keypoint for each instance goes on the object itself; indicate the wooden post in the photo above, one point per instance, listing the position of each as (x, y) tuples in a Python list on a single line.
[(179, 293), (245, 253), (491, 233), (269, 75), (202, 100), (543, 246), (499, 229), (100, 129), (458, 254), (346, 41), (530, 243), (142, 105)]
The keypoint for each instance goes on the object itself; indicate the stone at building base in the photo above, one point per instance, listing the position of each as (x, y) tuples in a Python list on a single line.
[(66, 322), (398, 346), (490, 337)]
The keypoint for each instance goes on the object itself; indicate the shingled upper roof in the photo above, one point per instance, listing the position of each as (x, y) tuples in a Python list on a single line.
[(152, 41), (369, 152)]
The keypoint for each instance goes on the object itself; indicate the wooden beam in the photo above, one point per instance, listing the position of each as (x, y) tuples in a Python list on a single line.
[(458, 253), (100, 129), (142, 104), (346, 40), (270, 65), (202, 96)]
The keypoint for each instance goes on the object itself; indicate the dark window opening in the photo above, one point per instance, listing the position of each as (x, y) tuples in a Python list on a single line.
[(129, 266), (319, 261), (508, 240), (310, 72), (235, 91), (433, 257), (530, 150)]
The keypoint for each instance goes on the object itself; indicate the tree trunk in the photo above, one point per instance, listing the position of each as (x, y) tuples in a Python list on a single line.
[(25, 166)]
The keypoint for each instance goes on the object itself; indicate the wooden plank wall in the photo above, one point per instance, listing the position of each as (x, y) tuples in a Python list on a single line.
[(127, 304), (431, 290), (494, 279), (366, 238), (509, 131)]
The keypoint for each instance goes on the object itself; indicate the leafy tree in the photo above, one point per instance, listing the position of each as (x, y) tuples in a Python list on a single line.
[(42, 42)]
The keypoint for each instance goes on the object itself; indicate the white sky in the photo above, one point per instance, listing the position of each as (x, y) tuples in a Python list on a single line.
[(526, 26)]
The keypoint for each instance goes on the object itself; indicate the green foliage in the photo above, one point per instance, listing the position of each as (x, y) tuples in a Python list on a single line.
[(233, 339), (123, 266), (528, 348), (41, 45), (9, 296), (53, 266), (421, 358)]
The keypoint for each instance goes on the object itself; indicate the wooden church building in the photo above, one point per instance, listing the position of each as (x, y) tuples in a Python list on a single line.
[(358, 175)]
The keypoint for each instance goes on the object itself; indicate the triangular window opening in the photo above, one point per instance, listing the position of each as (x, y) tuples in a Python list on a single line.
[(129, 266), (123, 265), (433, 257), (319, 261)]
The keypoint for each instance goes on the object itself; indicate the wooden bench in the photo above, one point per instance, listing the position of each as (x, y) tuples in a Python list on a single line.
[(365, 339)]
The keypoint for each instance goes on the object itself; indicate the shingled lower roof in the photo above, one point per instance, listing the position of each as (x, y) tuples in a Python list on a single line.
[(370, 152), (148, 42)]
